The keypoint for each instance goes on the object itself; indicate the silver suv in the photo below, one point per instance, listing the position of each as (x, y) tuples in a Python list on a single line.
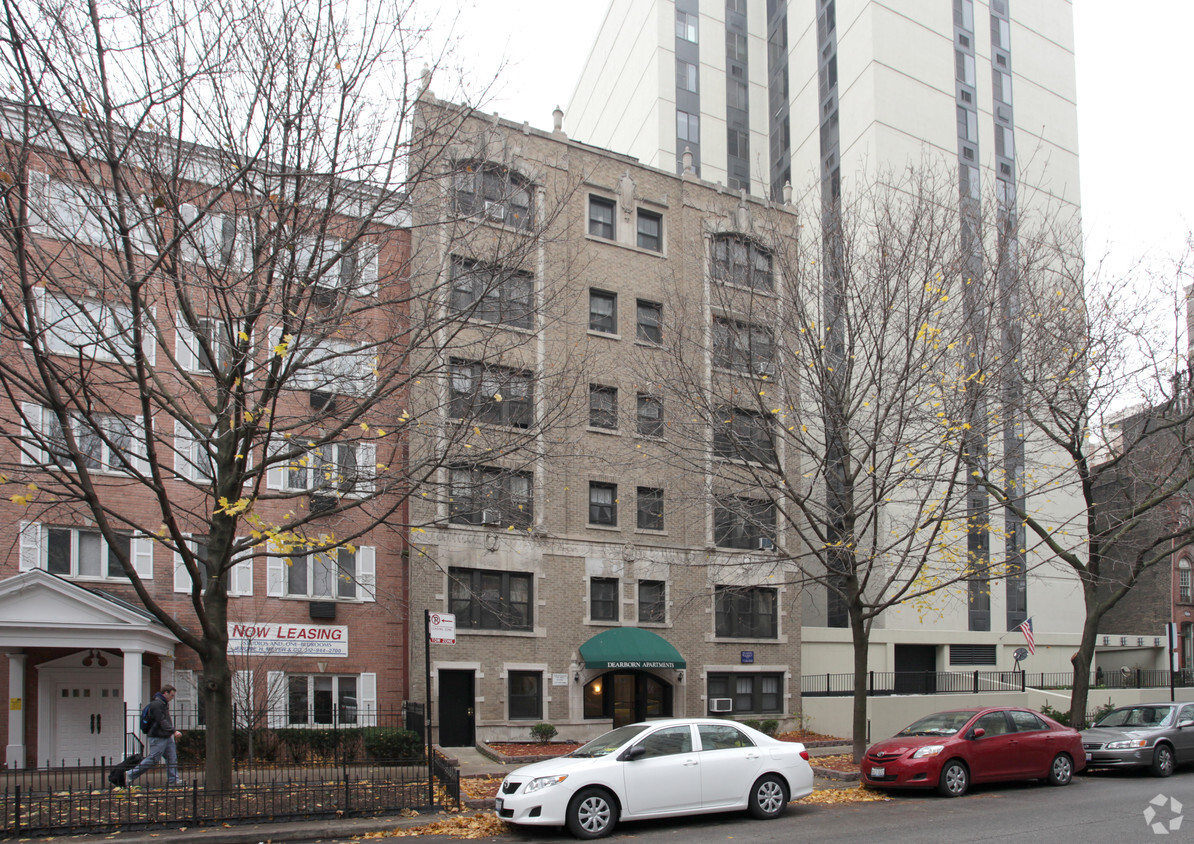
[(1157, 736)]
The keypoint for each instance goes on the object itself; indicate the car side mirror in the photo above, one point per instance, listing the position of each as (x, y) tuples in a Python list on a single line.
[(978, 732), (636, 752)]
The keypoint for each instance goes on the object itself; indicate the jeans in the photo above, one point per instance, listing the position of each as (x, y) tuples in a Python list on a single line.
[(158, 747)]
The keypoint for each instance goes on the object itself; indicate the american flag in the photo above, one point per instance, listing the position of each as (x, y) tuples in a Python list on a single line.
[(1026, 629)]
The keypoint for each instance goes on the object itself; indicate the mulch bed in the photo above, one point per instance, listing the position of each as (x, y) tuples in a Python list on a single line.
[(533, 748)]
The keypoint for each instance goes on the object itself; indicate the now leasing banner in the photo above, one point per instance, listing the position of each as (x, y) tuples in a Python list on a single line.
[(285, 639)]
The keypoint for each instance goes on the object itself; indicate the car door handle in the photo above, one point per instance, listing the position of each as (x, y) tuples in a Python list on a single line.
[(688, 763), (752, 756)]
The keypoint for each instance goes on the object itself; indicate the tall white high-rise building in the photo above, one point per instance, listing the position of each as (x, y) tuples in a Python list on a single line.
[(765, 92)]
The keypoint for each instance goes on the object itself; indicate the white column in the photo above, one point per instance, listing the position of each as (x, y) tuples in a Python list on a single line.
[(134, 695), (14, 754)]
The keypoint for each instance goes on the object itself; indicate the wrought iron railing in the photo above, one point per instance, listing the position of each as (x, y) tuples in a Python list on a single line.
[(974, 682)]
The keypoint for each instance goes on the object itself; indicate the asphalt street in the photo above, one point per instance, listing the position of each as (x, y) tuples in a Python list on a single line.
[(1102, 808)]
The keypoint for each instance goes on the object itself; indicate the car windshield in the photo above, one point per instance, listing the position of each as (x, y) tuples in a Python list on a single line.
[(1136, 716), (609, 742), (938, 724)]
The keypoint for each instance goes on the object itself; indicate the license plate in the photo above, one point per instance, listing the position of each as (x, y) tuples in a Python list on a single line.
[(498, 803), (1089, 756), (878, 772)]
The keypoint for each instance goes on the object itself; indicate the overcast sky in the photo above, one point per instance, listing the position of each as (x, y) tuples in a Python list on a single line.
[(1136, 127)]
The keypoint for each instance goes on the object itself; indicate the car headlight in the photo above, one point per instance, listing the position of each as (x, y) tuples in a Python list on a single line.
[(540, 783), (1125, 744), (928, 750)]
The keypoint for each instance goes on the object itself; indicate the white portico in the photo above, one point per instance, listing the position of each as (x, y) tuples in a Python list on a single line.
[(86, 649)]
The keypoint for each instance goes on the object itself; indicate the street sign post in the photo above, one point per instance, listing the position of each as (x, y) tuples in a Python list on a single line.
[(439, 629)]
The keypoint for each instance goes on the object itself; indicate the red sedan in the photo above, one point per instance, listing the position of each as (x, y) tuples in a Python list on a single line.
[(950, 750)]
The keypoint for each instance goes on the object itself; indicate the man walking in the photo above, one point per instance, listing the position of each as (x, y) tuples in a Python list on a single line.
[(162, 736)]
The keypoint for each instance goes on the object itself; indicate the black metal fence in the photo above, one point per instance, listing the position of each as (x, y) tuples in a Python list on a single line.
[(974, 682), (313, 771)]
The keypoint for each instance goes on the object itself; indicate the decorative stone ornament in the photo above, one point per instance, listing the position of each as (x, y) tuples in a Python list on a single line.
[(626, 195)]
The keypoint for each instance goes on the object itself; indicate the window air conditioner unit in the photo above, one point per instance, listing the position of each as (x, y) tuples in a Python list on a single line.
[(765, 544), (721, 704), (322, 609), (490, 517), (325, 297), (323, 400), (322, 503)]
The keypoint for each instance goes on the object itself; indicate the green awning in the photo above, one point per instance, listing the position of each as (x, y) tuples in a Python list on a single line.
[(630, 647)]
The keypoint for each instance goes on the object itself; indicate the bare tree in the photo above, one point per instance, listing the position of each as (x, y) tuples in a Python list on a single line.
[(1106, 391), (208, 323), (832, 380)]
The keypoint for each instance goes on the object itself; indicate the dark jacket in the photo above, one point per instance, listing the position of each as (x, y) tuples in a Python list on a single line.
[(161, 724)]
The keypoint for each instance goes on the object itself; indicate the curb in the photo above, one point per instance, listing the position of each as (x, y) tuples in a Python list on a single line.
[(831, 774)]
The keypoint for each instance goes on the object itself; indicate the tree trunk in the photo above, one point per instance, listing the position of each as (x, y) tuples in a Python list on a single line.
[(1081, 661), (861, 661), (217, 698)]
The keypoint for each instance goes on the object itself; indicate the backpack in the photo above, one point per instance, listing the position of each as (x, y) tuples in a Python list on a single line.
[(146, 719)]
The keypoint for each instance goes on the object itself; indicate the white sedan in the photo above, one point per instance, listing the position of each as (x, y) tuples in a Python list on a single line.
[(658, 769)]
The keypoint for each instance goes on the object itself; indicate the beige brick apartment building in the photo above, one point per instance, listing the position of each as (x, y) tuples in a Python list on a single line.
[(595, 578)]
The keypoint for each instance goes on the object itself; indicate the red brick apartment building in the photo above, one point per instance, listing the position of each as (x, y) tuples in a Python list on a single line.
[(174, 348)]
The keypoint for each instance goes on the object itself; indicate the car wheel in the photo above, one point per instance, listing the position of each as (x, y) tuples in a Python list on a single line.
[(955, 779), (1162, 761), (1062, 770), (591, 814), (768, 797)]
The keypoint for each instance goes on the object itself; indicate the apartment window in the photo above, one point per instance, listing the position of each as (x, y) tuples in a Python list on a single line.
[(603, 407), (487, 495), (743, 347), (238, 579), (1183, 581), (967, 124), (737, 143), (746, 523), (652, 602), (324, 574), (493, 394), (601, 217), (754, 694), (746, 612), (493, 192), (603, 599), (341, 467), (525, 695), (193, 454), (603, 504), (650, 508), (105, 443), (688, 127), (321, 699), (489, 293), (72, 552), (742, 262), (1001, 83), (650, 231), (650, 415), (603, 311), (92, 330), (1005, 144), (686, 76), (740, 434), (686, 26), (216, 240), (332, 366), (490, 600), (649, 321), (735, 46), (964, 67)]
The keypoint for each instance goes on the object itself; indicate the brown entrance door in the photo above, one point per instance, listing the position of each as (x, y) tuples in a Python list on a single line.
[(636, 696), (457, 718)]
